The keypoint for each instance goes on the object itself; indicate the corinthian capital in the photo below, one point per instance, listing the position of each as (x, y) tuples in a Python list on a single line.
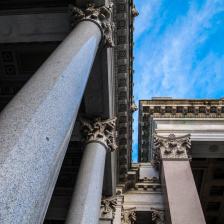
[(108, 205), (158, 216), (171, 148), (128, 216), (101, 16), (102, 131)]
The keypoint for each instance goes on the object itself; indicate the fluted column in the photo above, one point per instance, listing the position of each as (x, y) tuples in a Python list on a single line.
[(182, 201), (85, 205), (35, 127)]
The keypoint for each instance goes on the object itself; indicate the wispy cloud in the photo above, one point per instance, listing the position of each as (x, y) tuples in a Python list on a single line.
[(145, 20), (167, 63)]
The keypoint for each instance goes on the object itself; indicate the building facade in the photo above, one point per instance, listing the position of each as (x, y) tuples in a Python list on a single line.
[(183, 141), (179, 176), (66, 101)]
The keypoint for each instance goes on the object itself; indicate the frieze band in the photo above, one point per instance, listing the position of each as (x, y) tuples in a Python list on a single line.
[(184, 111)]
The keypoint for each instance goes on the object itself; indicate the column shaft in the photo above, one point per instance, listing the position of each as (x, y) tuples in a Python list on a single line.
[(181, 193), (35, 127), (85, 205)]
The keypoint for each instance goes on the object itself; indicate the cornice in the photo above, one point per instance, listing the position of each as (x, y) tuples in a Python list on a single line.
[(182, 111)]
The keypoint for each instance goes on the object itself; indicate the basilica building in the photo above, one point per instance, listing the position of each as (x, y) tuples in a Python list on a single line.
[(66, 106)]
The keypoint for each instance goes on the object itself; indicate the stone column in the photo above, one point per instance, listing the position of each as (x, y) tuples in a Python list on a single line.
[(85, 205), (181, 197), (35, 127)]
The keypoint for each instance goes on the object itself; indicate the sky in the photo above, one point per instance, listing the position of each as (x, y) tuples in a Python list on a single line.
[(179, 51)]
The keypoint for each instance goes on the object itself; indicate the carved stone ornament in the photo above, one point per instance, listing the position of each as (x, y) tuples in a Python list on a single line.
[(102, 131), (134, 107), (150, 179), (128, 216), (108, 206), (171, 148), (191, 111), (134, 11), (101, 16), (158, 216)]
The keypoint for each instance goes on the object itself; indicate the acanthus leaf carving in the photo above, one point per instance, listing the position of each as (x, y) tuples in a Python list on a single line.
[(128, 216), (101, 16), (108, 206), (99, 130), (171, 148), (158, 216)]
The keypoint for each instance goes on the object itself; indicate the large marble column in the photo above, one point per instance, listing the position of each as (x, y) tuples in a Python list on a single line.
[(181, 197), (86, 200), (35, 127)]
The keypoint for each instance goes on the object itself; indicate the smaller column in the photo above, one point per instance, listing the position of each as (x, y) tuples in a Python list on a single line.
[(85, 205), (181, 195)]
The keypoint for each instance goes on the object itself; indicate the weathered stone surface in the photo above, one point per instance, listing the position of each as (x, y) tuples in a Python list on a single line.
[(85, 205), (36, 126), (181, 193)]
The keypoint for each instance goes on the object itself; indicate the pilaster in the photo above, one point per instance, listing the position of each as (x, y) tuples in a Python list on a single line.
[(171, 156)]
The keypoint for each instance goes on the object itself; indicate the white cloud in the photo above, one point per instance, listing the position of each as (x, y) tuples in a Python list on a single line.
[(168, 69), (145, 20), (166, 65)]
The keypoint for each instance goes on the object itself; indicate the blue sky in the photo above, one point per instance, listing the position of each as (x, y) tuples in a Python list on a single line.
[(179, 51)]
